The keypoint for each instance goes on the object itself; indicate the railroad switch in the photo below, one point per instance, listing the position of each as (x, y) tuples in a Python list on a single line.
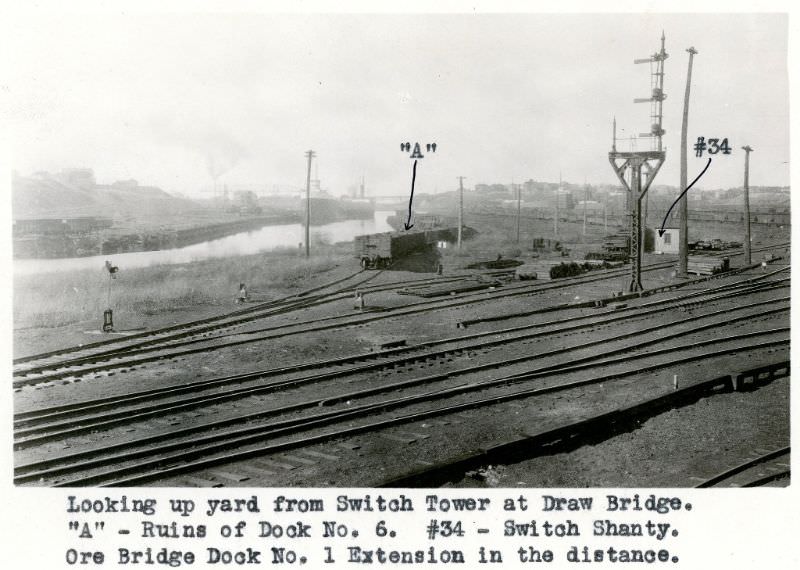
[(108, 320)]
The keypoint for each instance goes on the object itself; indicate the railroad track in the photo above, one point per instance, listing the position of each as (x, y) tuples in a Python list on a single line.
[(161, 337), (602, 425), (767, 467), (30, 422), (300, 300), (134, 359), (132, 356), (38, 428), (235, 318), (96, 352), (155, 456), (195, 323)]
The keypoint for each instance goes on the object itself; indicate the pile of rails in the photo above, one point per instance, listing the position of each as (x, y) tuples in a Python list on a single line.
[(706, 265), (498, 263), (446, 289), (553, 269)]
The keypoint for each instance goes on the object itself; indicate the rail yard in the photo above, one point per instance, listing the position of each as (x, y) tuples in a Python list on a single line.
[(560, 351), (465, 378)]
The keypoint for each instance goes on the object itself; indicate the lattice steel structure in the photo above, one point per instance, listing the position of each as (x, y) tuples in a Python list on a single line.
[(641, 167)]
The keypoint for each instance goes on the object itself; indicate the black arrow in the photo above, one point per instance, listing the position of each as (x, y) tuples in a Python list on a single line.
[(408, 225), (661, 231)]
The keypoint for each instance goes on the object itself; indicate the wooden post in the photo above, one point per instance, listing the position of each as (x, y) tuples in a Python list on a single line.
[(460, 208), (309, 155), (683, 205), (747, 259)]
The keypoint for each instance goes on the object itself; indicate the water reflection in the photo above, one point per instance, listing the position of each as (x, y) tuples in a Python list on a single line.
[(265, 239)]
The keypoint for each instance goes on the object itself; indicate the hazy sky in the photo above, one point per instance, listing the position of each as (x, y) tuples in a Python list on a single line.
[(169, 98)]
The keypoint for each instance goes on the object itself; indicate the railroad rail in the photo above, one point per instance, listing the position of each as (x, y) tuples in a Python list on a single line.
[(54, 426), (186, 330), (46, 420), (262, 310), (132, 353), (277, 303), (133, 358), (571, 434), (200, 449), (181, 326), (763, 458)]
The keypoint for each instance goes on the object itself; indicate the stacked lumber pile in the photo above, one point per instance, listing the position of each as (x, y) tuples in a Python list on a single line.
[(444, 289), (706, 265)]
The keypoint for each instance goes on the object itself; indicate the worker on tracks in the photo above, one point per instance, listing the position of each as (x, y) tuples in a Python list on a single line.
[(358, 301), (241, 296)]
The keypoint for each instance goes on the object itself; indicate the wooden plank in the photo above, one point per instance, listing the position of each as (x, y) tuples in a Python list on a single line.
[(199, 481), (271, 464), (235, 477), (256, 470), (298, 459), (398, 438), (321, 455)]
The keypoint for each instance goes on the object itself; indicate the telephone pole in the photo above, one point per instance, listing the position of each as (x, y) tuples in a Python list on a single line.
[(747, 259), (460, 208), (309, 154), (585, 197), (683, 210), (555, 219), (519, 206)]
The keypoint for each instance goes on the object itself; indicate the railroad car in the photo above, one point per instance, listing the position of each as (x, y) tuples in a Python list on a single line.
[(376, 251), (616, 243)]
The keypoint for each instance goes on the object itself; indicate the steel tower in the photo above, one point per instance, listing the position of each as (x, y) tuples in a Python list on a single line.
[(636, 170)]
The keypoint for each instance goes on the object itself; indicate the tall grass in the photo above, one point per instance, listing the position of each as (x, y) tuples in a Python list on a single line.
[(57, 299)]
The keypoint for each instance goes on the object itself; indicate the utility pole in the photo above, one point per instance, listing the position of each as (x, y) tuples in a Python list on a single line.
[(460, 208), (585, 197), (683, 205), (519, 206), (555, 219), (747, 259), (309, 154)]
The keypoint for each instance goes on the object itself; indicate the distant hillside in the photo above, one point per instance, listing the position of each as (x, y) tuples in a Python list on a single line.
[(53, 196)]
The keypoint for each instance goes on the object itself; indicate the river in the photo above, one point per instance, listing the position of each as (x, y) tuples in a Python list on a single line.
[(265, 239)]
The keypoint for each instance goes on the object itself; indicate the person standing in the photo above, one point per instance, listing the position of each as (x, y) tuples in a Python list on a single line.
[(358, 303), (241, 296)]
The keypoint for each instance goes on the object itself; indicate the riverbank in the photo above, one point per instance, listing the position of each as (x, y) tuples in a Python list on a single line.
[(61, 309), (125, 240), (61, 238)]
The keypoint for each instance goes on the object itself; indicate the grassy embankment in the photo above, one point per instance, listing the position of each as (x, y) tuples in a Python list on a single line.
[(64, 298)]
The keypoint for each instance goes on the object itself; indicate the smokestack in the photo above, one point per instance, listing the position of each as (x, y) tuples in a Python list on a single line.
[(614, 137)]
